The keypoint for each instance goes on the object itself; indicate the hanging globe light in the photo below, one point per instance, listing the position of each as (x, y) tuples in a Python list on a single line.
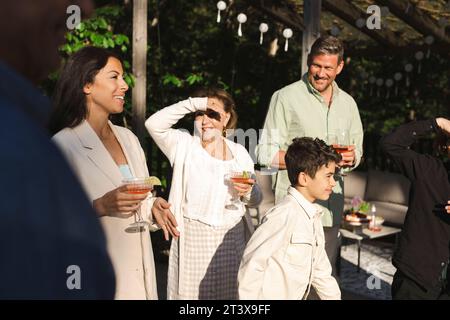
[(389, 83), (429, 41), (408, 68), (241, 18), (397, 77), (263, 28), (221, 5), (335, 31), (287, 33), (419, 56)]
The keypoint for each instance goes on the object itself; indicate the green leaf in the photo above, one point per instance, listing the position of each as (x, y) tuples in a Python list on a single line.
[(173, 80), (81, 27), (118, 40), (78, 46), (111, 43), (194, 78), (102, 23), (67, 48), (109, 11), (94, 37), (130, 80), (364, 208), (121, 39), (225, 86)]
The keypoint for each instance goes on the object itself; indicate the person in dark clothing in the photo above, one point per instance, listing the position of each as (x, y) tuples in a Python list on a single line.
[(422, 255), (51, 243)]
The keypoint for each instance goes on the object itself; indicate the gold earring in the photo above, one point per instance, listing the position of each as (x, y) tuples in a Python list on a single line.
[(224, 132)]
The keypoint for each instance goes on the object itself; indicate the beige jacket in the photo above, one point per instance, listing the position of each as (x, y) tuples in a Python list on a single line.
[(286, 254), (131, 253)]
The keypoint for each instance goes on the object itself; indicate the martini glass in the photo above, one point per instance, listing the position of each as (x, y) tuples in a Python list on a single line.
[(237, 177), (139, 185)]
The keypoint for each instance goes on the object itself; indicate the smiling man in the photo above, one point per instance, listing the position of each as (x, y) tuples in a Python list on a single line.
[(314, 107)]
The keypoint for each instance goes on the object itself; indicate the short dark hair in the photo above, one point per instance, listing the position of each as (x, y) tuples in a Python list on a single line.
[(225, 98), (69, 100), (327, 45), (308, 155)]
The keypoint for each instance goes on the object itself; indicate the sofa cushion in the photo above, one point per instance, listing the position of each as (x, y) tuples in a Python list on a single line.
[(393, 214), (387, 187), (355, 185)]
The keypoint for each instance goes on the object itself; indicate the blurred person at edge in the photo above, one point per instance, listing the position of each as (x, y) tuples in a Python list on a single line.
[(48, 227), (422, 254)]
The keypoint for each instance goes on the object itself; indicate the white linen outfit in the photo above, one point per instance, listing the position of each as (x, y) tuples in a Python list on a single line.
[(204, 261)]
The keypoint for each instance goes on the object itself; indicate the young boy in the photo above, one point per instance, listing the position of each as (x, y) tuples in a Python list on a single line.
[(286, 254)]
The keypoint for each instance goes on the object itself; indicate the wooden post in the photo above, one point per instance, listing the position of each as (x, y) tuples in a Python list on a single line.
[(139, 93), (311, 12)]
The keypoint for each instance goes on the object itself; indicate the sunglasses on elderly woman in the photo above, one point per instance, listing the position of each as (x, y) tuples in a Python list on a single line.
[(210, 113)]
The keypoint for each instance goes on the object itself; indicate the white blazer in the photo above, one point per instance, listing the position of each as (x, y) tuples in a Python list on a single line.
[(131, 253)]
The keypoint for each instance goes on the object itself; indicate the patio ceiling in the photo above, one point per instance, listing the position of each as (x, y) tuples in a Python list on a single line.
[(405, 23)]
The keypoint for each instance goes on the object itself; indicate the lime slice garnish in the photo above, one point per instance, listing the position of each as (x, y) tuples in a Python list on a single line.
[(153, 181)]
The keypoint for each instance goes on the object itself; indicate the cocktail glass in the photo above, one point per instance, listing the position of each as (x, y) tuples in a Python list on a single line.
[(237, 177), (140, 185)]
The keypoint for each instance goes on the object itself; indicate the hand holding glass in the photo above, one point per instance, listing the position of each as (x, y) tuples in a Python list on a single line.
[(237, 178), (341, 143), (140, 185)]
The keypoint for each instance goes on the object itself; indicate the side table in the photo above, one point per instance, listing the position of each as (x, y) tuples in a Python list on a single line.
[(360, 233)]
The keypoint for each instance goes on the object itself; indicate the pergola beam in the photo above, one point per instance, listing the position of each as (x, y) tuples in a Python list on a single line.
[(350, 13), (282, 14), (416, 18), (377, 51)]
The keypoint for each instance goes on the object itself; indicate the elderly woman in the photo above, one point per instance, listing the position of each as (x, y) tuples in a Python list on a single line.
[(90, 89), (212, 227)]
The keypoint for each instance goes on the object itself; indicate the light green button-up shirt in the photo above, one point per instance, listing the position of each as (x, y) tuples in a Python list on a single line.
[(299, 110)]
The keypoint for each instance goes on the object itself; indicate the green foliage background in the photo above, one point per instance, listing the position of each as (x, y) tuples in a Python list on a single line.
[(187, 49)]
